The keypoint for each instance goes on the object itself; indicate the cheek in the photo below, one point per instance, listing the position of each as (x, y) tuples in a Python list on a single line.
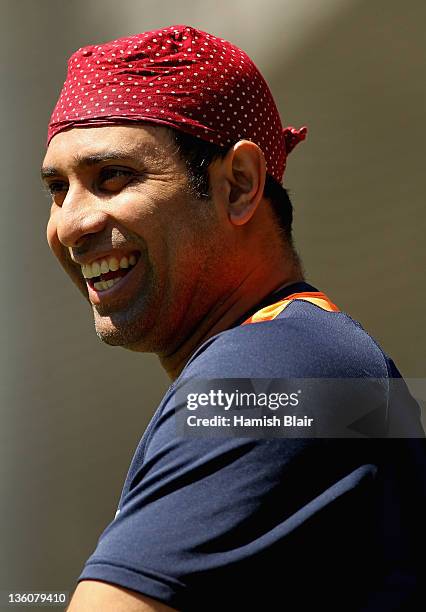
[(51, 235), (55, 245), (60, 252), (190, 250)]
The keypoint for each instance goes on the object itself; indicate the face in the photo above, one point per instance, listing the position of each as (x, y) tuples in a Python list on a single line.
[(125, 227)]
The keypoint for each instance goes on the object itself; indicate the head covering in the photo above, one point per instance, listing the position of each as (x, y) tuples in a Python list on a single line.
[(179, 77)]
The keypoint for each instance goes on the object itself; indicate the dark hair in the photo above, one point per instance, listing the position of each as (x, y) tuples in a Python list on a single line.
[(198, 155)]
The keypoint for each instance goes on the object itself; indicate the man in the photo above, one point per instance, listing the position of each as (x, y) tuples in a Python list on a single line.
[(164, 161)]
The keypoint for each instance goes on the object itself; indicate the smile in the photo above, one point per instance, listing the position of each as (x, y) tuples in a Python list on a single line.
[(104, 273)]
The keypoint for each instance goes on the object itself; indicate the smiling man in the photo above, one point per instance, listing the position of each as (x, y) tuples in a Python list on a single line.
[(164, 162), (143, 248)]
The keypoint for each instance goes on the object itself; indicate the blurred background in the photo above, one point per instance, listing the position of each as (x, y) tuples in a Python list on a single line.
[(73, 410)]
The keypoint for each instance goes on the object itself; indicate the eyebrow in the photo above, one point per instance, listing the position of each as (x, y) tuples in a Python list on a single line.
[(97, 158)]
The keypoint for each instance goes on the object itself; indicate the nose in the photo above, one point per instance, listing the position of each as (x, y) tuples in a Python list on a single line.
[(79, 217)]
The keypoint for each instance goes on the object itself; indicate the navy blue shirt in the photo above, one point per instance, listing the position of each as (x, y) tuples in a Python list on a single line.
[(238, 523)]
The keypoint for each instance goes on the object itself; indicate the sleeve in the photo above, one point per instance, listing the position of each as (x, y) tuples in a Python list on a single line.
[(205, 517), (233, 523)]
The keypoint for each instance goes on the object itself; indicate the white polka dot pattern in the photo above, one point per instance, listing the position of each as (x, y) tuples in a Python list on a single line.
[(177, 76)]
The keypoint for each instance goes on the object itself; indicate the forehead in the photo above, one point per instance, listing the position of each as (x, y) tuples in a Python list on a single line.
[(114, 142)]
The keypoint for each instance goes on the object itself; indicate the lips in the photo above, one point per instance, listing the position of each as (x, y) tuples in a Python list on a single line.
[(114, 283), (104, 272)]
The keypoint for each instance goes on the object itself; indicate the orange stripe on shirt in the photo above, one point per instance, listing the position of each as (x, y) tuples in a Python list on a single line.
[(271, 312)]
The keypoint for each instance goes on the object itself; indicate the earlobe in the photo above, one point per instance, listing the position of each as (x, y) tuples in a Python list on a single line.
[(246, 170)]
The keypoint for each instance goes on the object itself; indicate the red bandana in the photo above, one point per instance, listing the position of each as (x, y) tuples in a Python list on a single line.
[(178, 77)]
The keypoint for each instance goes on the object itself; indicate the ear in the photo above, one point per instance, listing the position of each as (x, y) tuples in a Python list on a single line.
[(243, 173)]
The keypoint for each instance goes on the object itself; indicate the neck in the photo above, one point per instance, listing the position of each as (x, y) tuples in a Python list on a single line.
[(224, 313)]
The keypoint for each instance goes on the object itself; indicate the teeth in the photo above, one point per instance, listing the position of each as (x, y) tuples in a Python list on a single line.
[(102, 285), (113, 264), (102, 266), (96, 269), (87, 271)]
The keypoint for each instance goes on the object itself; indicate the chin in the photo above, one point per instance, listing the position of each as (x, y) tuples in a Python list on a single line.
[(136, 337)]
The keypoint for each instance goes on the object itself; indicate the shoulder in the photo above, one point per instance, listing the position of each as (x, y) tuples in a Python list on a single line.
[(305, 341)]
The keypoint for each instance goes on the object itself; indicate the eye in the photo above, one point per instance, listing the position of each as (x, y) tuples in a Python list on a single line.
[(56, 187), (113, 179)]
